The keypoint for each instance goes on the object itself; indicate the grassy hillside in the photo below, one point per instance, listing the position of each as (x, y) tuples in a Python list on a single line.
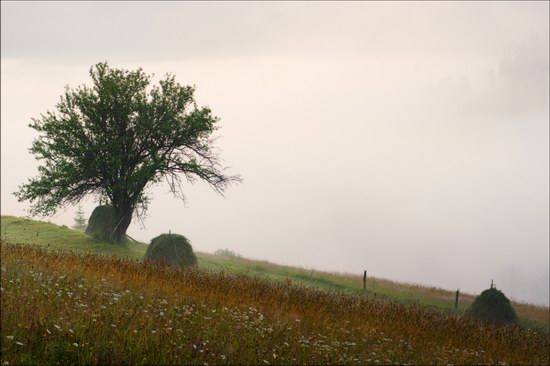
[(73, 308), (20, 230)]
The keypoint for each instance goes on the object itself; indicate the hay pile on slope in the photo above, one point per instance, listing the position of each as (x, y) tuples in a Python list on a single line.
[(492, 305), (100, 223), (172, 249)]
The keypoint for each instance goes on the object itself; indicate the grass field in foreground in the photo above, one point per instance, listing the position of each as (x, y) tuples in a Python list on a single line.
[(60, 307), (20, 230)]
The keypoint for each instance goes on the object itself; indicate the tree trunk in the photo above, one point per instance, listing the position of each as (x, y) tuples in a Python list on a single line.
[(123, 218)]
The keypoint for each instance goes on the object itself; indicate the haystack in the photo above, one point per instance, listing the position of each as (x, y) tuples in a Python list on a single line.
[(172, 249)]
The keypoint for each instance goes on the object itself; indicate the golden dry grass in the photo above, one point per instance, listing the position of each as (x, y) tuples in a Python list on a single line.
[(89, 309)]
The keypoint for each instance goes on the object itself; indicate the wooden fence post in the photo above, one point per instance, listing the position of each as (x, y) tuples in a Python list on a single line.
[(456, 300), (365, 280)]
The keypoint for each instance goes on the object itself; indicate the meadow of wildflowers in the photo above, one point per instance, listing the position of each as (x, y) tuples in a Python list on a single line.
[(54, 237), (67, 308)]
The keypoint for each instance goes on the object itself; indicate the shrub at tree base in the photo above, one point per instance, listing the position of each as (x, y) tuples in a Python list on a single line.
[(172, 249), (492, 305), (227, 253), (100, 222)]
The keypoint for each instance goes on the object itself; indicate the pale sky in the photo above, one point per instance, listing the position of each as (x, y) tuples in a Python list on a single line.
[(407, 139)]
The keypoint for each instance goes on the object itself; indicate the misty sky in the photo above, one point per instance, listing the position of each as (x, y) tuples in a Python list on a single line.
[(407, 139)]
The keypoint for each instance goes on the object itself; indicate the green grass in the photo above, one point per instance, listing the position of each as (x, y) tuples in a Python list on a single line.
[(44, 234), (379, 288), (51, 236)]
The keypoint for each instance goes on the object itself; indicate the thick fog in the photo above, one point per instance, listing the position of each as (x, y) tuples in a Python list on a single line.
[(407, 139)]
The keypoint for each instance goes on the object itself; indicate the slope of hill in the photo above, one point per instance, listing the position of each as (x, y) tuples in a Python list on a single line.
[(51, 236), (61, 307), (21, 230)]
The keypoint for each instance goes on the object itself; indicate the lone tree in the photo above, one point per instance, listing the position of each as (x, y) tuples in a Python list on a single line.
[(118, 137)]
